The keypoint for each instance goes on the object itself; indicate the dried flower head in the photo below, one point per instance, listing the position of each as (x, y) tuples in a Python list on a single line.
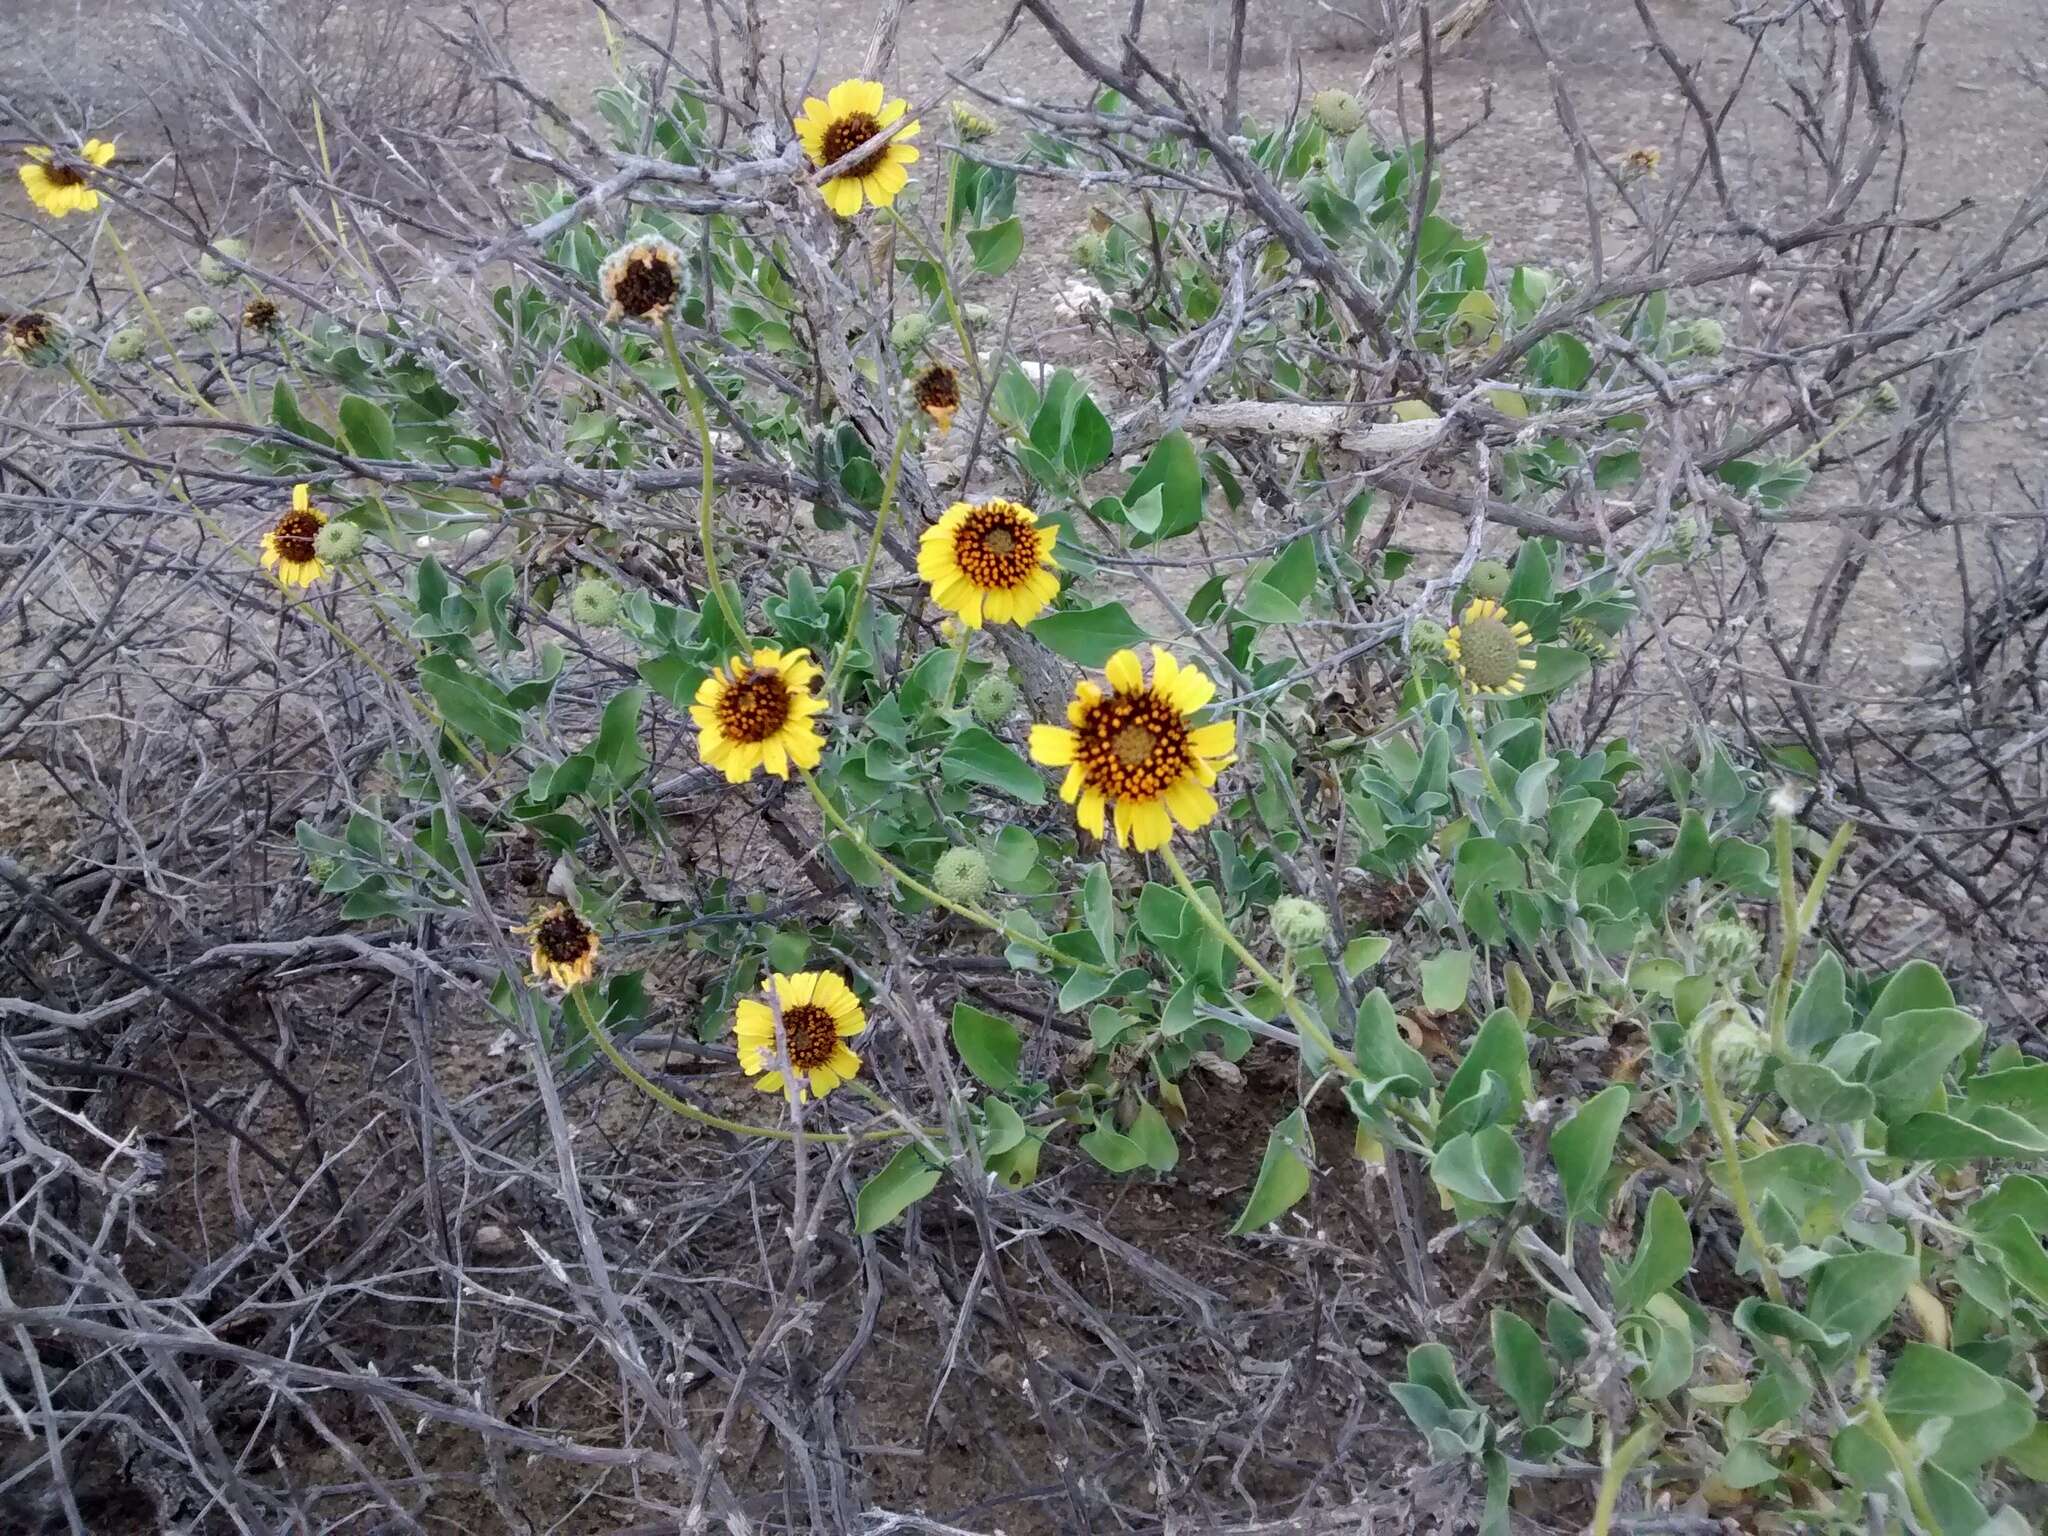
[(36, 339), (259, 314), (639, 281), (937, 393), (564, 946)]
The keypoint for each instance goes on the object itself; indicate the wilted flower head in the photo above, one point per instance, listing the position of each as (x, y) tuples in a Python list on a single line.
[(641, 280), (36, 339), (937, 392), (1643, 160), (259, 314)]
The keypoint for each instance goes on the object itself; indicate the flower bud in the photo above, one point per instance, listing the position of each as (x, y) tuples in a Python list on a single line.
[(970, 125), (1885, 398), (1337, 113), (200, 319), (1488, 578), (1425, 637), (595, 602), (961, 875), (217, 273), (1729, 946), (910, 332), (1739, 1053), (1089, 251), (976, 314), (1707, 336), (127, 344), (994, 699), (1299, 924), (338, 541)]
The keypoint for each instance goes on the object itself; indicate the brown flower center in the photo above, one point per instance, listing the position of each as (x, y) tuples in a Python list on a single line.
[(937, 389), (646, 286), (31, 331), (812, 1036), (259, 315), (753, 707), (846, 135), (1133, 746), (995, 547), (563, 937), (64, 175), (295, 533)]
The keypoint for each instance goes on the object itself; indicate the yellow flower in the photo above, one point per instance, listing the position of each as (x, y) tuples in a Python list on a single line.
[(819, 1015), (61, 184), (564, 946), (1136, 747), (937, 393), (989, 562), (757, 714), (1488, 647), (290, 543), (834, 128)]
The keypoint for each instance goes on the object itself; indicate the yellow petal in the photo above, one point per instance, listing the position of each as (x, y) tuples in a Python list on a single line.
[(1124, 673), (891, 110), (99, 151), (878, 192), (769, 1083), (1217, 740), (1089, 811), (1124, 809), (1150, 827), (1192, 689), (842, 196), (870, 98), (302, 497), (1071, 786), (1192, 806), (844, 1062), (1052, 745)]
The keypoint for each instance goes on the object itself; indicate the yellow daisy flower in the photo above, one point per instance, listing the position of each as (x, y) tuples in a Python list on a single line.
[(937, 393), (847, 118), (564, 946), (989, 562), (757, 714), (289, 546), (1489, 648), (61, 183), (819, 1015), (1136, 747)]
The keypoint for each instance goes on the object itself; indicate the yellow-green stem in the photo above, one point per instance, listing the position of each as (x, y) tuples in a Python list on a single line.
[(689, 1111), (1620, 1462), (1475, 726), (1796, 917), (959, 666), (1306, 1022), (973, 914), (1724, 1129), (867, 565), (694, 398), (1881, 1430)]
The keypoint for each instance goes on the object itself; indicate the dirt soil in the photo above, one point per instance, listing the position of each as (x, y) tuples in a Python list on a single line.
[(950, 1401)]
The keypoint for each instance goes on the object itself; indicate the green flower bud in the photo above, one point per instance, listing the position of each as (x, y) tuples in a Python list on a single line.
[(1337, 113), (910, 332), (338, 541), (1089, 251), (36, 339), (1885, 398), (1299, 924), (1488, 578), (1707, 336), (970, 125), (127, 344), (320, 868), (595, 602), (1426, 637), (1729, 947), (217, 273), (976, 315), (1585, 636), (961, 875), (1739, 1053), (200, 319), (994, 699)]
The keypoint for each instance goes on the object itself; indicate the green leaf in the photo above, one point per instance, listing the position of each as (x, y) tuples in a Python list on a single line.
[(988, 1045), (1988, 1132), (1663, 1255), (1283, 1175), (906, 1179), (1111, 1148), (1173, 467), (1361, 954), (618, 736), (1855, 1294), (368, 426), (1446, 976), (1820, 1094), (1821, 1012), (976, 757), (1583, 1149), (1088, 636), (1913, 986), (1520, 1366), (1483, 1165), (997, 248), (1098, 905), (1154, 1138), (1502, 1048), (1766, 1319), (1014, 856), (1927, 1382), (1914, 1049), (470, 704), (1557, 667)]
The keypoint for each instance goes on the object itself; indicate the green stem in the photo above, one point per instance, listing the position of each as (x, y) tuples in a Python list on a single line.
[(1881, 1430), (972, 914), (1796, 916), (867, 566), (688, 1111), (694, 398), (1306, 1022), (1475, 726), (940, 265), (1724, 1129), (959, 666), (1619, 1464)]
